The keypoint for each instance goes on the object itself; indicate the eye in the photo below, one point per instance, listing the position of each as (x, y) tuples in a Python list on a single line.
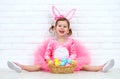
[(59, 25), (65, 26)]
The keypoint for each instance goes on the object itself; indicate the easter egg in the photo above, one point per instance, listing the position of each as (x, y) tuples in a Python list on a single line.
[(50, 62), (62, 63), (56, 60), (67, 65), (57, 63), (73, 62), (64, 60), (69, 61)]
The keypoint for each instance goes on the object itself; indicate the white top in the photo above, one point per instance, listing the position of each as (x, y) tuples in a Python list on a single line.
[(61, 52)]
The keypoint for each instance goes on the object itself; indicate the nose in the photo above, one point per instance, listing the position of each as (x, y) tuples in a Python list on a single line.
[(62, 27)]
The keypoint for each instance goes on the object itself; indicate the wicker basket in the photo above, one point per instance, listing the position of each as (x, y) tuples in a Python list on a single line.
[(62, 69)]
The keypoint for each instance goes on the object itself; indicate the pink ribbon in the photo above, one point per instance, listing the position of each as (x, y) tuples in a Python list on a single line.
[(58, 17)]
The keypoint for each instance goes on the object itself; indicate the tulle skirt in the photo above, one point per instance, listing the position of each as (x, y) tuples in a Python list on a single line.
[(83, 56)]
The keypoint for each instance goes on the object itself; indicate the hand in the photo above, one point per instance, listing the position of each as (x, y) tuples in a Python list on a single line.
[(47, 60)]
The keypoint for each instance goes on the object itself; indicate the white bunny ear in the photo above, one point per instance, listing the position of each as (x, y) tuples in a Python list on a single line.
[(56, 12), (70, 14)]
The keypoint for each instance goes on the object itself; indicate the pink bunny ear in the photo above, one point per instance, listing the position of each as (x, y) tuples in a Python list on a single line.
[(56, 13), (70, 14)]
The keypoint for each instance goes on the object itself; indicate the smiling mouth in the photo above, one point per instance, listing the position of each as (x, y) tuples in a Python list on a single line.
[(61, 31)]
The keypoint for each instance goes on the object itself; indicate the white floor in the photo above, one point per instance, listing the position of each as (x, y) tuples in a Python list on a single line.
[(9, 74)]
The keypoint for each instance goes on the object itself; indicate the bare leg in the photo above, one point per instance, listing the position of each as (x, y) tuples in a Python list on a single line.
[(92, 68), (30, 68), (104, 68)]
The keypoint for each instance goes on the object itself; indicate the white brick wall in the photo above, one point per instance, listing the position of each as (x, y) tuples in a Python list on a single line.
[(24, 24)]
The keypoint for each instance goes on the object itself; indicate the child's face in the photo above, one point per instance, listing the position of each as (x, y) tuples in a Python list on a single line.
[(62, 28)]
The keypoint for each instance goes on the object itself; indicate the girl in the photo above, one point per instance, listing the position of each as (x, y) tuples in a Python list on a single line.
[(61, 46)]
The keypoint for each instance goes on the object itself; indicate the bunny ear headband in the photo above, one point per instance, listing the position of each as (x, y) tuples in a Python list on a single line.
[(58, 15)]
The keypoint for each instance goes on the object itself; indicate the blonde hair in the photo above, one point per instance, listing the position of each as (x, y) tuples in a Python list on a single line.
[(61, 19)]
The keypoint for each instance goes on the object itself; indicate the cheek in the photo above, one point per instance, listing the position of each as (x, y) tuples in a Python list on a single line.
[(55, 29), (67, 30)]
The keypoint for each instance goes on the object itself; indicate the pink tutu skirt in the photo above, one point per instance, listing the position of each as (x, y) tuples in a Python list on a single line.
[(83, 56)]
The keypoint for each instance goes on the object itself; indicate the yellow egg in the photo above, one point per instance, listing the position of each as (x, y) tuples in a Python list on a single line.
[(50, 62), (57, 63), (73, 62), (56, 59)]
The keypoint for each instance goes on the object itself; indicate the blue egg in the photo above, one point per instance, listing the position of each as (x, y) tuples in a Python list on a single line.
[(69, 61), (62, 63), (64, 60)]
